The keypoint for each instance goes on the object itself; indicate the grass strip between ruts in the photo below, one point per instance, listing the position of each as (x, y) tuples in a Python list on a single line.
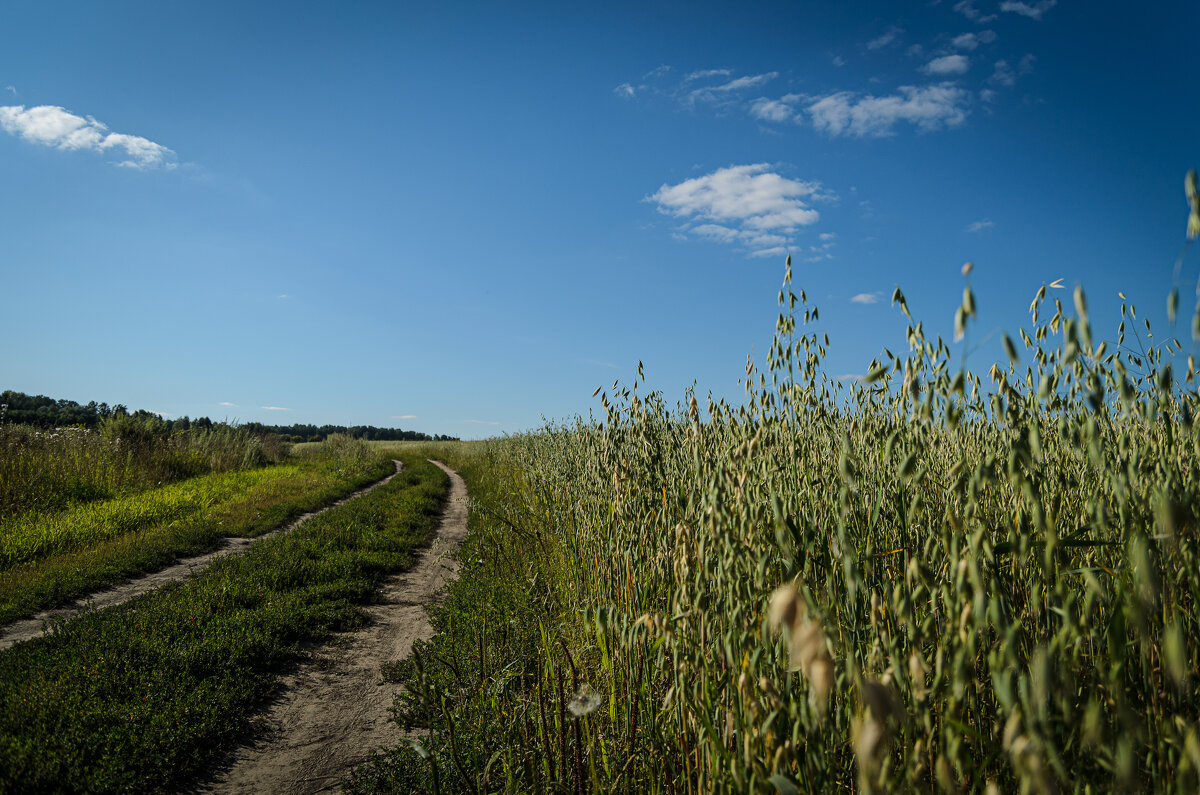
[(270, 497), (143, 696)]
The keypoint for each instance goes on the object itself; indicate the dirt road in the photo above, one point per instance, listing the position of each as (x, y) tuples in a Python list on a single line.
[(30, 628), (332, 713)]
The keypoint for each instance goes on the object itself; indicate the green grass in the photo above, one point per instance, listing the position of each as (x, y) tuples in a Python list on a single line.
[(42, 470), (49, 557), (143, 696), (910, 583)]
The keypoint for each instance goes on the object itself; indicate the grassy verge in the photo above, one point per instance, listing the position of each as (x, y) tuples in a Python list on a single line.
[(54, 557), (497, 635), (142, 696)]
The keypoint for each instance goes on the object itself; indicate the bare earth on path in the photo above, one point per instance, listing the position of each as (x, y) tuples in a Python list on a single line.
[(333, 712), (29, 628)]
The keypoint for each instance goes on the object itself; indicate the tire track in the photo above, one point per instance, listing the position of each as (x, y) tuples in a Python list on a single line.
[(332, 713), (29, 628)]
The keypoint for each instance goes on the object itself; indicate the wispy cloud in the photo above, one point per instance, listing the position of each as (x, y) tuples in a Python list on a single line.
[(11, 89), (722, 92), (274, 408), (704, 74), (928, 108), (866, 298), (227, 404), (282, 296), (50, 125), (749, 205), (947, 65), (719, 88), (979, 226), (892, 36), (1027, 10), (971, 41), (777, 110), (404, 416), (1005, 75), (481, 422), (967, 9)]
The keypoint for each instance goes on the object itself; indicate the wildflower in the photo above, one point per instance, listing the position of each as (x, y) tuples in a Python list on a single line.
[(585, 700)]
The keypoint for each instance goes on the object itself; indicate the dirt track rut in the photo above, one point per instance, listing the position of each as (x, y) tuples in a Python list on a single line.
[(29, 628), (332, 713)]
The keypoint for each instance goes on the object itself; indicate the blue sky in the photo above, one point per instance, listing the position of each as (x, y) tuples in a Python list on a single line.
[(463, 217)]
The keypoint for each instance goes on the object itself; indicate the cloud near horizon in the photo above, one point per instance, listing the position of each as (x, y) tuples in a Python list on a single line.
[(50, 125), (404, 416), (481, 422), (274, 408), (747, 205), (227, 404)]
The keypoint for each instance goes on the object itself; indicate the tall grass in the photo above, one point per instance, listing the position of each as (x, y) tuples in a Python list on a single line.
[(50, 469), (927, 579)]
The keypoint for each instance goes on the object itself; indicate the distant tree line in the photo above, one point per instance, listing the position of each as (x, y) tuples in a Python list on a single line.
[(45, 412), (318, 433)]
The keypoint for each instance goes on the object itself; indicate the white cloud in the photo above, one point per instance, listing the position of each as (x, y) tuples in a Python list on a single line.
[(750, 205), (929, 108), (971, 41), (839, 61), (702, 74), (715, 232), (1027, 10), (625, 91), (827, 236), (774, 251), (967, 9), (979, 226), (947, 65), (281, 296), (866, 298), (12, 89), (721, 93), (50, 125), (404, 416), (481, 422), (274, 408), (892, 36), (227, 404), (774, 109)]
